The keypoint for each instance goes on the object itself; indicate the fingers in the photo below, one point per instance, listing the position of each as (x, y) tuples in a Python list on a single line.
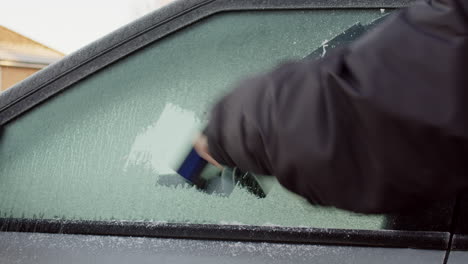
[(201, 146)]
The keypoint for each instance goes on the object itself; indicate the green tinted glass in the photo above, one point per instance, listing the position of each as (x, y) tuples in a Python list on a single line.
[(95, 152)]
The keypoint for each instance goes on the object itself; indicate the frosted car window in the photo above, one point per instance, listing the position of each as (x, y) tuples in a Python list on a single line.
[(95, 151)]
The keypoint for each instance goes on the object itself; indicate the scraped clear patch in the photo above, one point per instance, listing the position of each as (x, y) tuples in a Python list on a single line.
[(164, 144)]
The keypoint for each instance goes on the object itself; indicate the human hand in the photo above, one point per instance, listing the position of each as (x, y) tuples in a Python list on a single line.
[(201, 146)]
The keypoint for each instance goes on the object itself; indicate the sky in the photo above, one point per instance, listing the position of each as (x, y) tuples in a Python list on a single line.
[(67, 25)]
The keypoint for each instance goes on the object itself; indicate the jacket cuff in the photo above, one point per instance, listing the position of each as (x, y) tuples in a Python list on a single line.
[(214, 147)]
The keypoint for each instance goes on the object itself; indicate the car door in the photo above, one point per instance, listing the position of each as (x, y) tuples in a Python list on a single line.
[(84, 142)]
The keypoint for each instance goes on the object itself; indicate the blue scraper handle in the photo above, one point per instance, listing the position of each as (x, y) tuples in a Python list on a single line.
[(192, 167)]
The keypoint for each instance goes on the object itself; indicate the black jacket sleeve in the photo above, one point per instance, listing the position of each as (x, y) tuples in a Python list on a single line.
[(378, 126)]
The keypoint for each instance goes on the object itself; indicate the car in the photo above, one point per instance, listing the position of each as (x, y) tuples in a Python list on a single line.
[(84, 142)]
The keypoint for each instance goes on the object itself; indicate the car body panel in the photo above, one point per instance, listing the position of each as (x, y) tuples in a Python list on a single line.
[(25, 248), (458, 257)]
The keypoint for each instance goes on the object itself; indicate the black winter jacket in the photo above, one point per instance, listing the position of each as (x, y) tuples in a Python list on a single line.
[(378, 126)]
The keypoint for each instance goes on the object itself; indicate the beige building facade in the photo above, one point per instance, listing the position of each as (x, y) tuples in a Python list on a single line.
[(21, 57)]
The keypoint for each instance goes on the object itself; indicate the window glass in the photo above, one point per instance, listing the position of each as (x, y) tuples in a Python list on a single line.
[(97, 150)]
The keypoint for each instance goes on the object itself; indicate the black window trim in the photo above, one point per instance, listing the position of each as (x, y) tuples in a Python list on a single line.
[(274, 234), (150, 28)]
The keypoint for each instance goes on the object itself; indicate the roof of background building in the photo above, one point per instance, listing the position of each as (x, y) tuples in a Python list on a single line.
[(18, 50)]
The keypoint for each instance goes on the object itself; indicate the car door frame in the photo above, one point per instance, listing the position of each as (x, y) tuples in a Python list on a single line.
[(121, 43)]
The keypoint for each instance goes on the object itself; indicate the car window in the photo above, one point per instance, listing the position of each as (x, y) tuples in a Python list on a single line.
[(98, 150)]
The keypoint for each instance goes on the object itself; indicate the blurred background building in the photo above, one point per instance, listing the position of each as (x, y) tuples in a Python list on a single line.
[(63, 25), (21, 57)]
